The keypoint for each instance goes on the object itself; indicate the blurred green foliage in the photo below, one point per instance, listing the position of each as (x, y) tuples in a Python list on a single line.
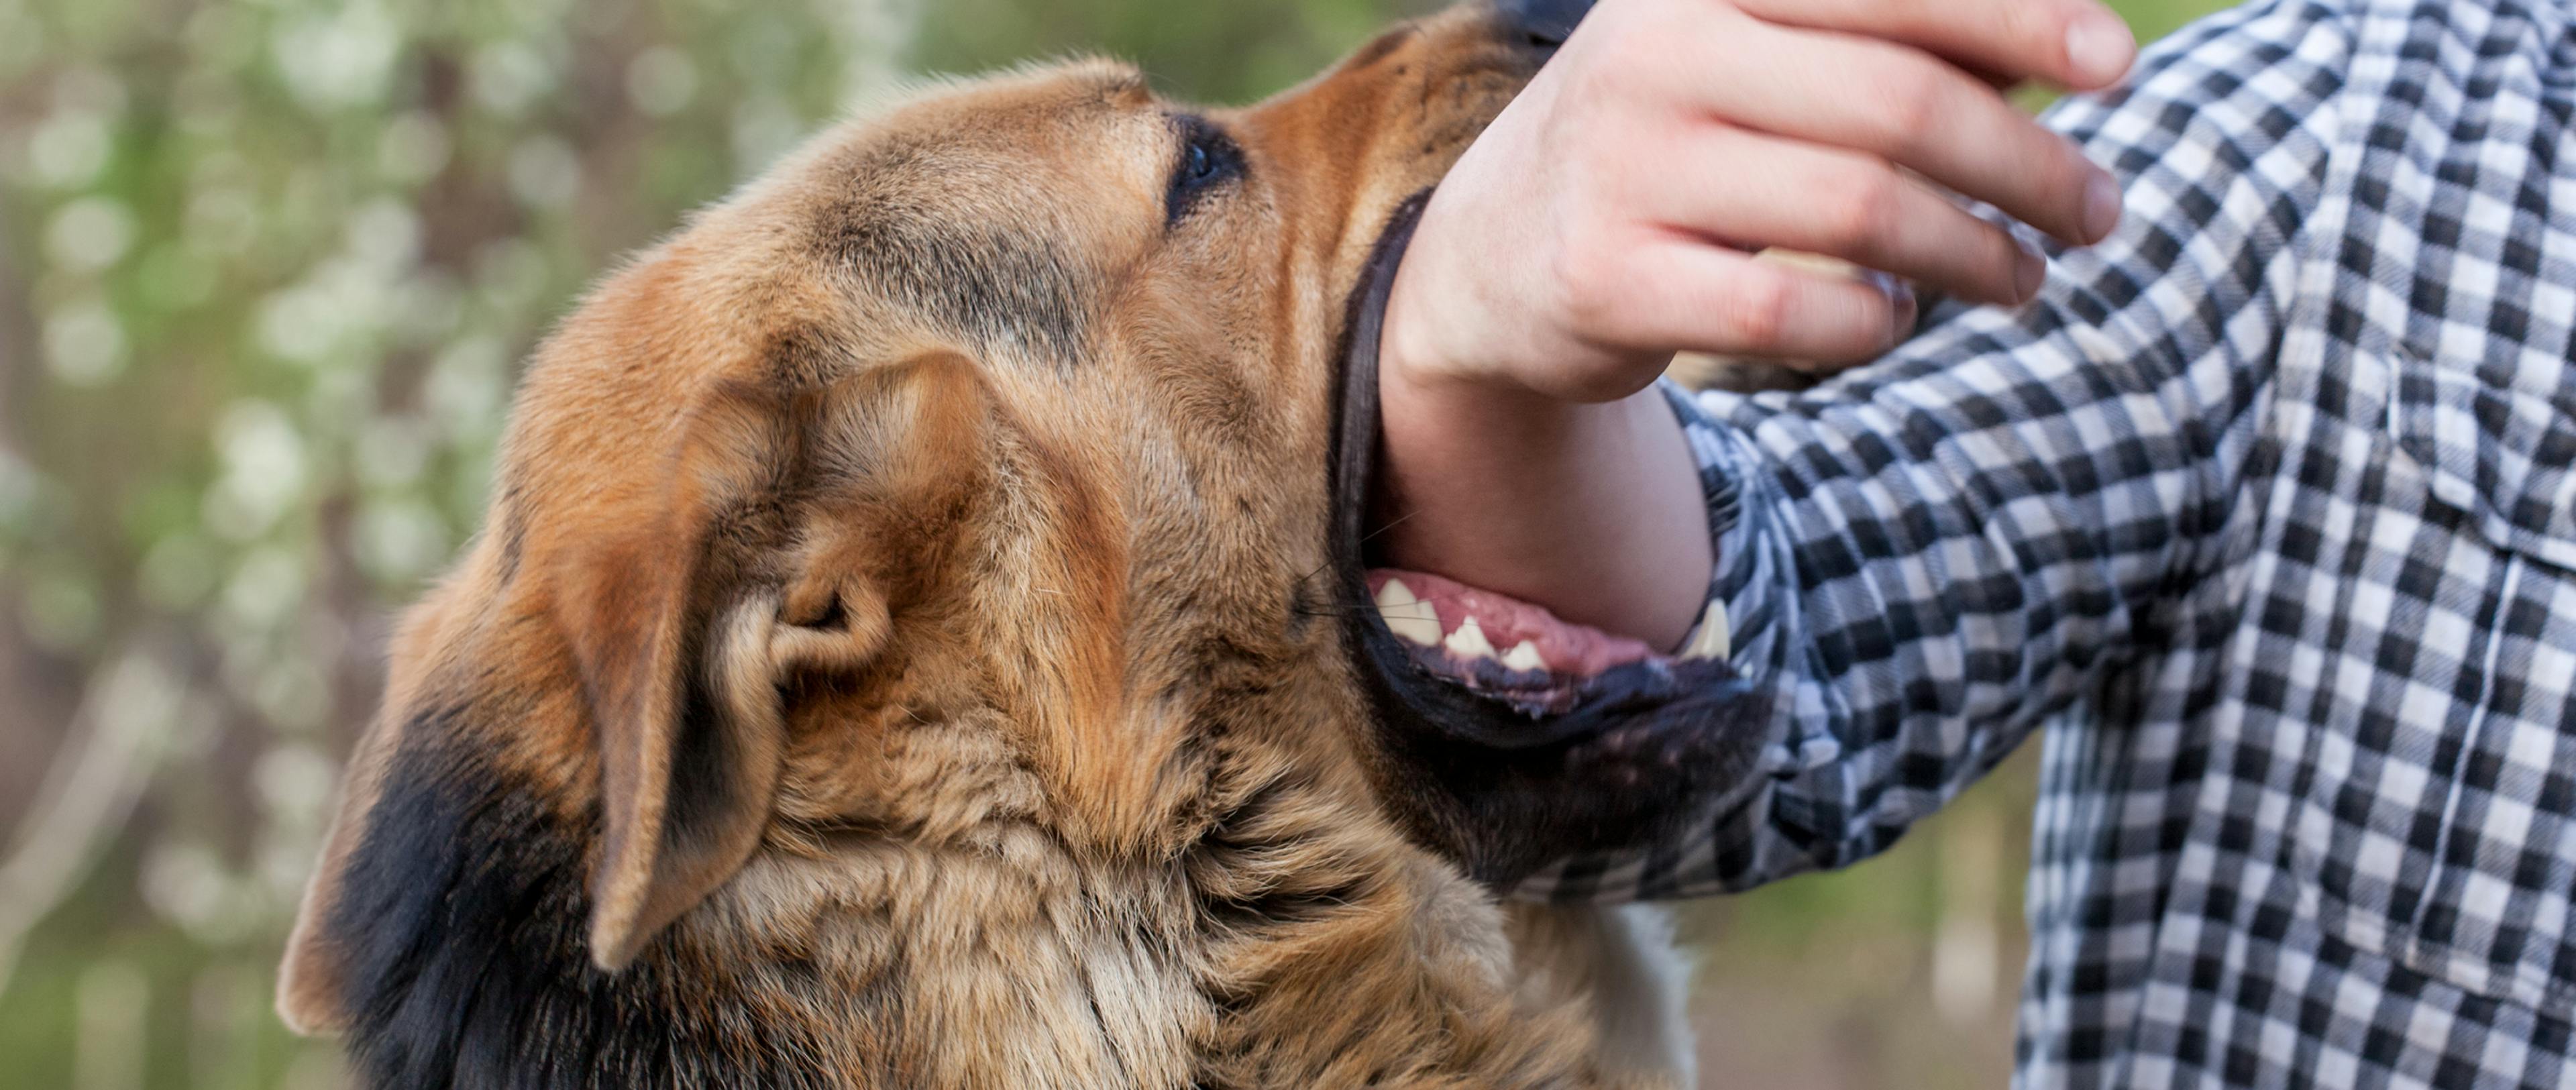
[(1208, 52), (266, 271)]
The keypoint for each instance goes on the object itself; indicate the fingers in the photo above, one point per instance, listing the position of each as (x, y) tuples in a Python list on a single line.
[(1670, 137), (1838, 203), (2077, 44), (1907, 107), (1676, 292)]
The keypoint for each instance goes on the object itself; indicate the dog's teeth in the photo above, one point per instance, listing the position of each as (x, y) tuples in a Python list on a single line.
[(1524, 656), (1713, 640), (1406, 615), (1469, 642)]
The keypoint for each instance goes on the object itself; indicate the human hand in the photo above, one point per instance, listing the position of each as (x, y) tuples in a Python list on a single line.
[(1610, 215)]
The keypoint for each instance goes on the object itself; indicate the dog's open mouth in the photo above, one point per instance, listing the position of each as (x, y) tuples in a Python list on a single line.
[(1498, 716), (1427, 628), (1511, 652), (1516, 652)]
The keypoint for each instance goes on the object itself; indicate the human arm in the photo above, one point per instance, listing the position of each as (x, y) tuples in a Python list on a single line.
[(1606, 218)]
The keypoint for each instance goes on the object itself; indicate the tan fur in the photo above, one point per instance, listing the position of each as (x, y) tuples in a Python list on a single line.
[(1017, 692)]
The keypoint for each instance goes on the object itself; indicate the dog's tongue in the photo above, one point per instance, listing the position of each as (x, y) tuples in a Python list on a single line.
[(1468, 623)]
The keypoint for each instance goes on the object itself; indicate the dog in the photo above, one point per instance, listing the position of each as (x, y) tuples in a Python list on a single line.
[(923, 635)]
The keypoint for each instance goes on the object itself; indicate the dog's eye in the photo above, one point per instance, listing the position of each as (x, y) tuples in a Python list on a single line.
[(1208, 159)]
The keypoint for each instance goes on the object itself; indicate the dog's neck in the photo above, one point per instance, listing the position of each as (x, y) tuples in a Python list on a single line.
[(1292, 931)]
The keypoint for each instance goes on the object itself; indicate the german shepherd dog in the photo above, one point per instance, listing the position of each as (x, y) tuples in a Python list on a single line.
[(922, 637)]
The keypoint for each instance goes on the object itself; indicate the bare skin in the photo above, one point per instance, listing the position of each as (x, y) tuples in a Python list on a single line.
[(1609, 219)]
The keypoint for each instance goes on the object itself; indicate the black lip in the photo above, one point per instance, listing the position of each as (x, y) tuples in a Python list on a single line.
[(1645, 751)]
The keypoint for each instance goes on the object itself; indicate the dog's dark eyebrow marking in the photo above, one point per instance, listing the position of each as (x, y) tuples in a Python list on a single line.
[(990, 283), (1004, 282)]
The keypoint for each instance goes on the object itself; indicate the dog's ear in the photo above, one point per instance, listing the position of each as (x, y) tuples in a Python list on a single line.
[(771, 557), (676, 599), (684, 628)]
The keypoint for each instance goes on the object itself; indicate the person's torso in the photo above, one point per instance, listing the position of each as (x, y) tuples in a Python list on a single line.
[(2325, 831)]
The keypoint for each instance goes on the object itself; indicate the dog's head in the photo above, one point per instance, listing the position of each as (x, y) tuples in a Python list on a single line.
[(985, 477)]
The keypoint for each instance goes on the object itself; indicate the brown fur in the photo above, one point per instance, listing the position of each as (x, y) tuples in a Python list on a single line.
[(898, 637)]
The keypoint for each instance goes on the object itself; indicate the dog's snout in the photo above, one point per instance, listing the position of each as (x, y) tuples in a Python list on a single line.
[(1546, 23)]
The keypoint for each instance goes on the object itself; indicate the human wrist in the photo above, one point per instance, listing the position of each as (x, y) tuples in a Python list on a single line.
[(1589, 509)]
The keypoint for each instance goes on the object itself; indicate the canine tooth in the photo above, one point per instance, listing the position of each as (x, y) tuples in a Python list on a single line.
[(1714, 641), (1406, 615), (1524, 656), (1469, 641)]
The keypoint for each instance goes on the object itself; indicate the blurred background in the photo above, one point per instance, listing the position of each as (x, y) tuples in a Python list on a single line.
[(267, 270)]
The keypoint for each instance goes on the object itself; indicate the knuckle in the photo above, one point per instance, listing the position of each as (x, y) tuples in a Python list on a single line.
[(1755, 312), (1862, 210), (1910, 103), (1586, 275)]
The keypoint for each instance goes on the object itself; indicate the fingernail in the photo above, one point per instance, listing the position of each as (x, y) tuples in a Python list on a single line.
[(1901, 294), (2099, 49), (2028, 274), (2101, 206)]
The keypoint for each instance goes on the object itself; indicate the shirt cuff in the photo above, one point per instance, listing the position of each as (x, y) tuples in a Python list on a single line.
[(1752, 603)]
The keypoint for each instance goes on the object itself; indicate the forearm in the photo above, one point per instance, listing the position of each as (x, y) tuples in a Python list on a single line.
[(1593, 510)]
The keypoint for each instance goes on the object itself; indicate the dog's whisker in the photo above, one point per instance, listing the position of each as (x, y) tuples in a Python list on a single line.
[(1364, 539), (1390, 524)]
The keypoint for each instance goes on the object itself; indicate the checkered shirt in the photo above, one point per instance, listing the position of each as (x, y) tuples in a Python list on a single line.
[(2264, 511)]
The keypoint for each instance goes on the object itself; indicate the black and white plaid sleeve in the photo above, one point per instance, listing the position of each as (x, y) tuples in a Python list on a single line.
[(2263, 518), (1928, 557)]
